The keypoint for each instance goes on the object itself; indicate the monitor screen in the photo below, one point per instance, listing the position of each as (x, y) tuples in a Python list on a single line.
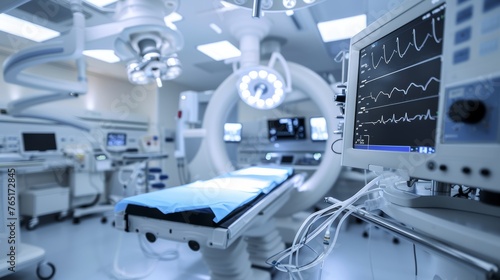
[(286, 129), (394, 85), (39, 142), (398, 88), (318, 129), (116, 139), (232, 132), (423, 92), (287, 159)]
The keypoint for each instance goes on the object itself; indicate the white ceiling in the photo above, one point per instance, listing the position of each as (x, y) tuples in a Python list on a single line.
[(303, 44)]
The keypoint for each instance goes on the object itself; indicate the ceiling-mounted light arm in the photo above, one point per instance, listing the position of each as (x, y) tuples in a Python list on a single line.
[(37, 113), (288, 77), (69, 48), (257, 8), (16, 106)]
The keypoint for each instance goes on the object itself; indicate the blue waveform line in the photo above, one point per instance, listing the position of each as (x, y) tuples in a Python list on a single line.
[(404, 91), (414, 44), (405, 118)]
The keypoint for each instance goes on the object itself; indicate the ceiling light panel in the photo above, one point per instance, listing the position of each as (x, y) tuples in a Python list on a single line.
[(173, 17), (26, 29), (341, 29), (103, 55), (101, 3), (219, 50)]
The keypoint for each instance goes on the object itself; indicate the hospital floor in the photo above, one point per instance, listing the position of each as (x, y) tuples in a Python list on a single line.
[(88, 251)]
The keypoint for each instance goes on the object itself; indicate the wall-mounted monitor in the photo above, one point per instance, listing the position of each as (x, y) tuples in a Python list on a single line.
[(232, 132), (318, 129), (35, 143), (116, 141), (286, 129)]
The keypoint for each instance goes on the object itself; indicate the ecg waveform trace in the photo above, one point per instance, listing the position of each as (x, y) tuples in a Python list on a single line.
[(405, 118), (404, 91), (410, 44), (399, 77)]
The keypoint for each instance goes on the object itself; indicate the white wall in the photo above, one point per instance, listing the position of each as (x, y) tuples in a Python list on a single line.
[(167, 107)]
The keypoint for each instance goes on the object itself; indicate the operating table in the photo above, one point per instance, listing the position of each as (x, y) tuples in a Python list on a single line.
[(219, 217)]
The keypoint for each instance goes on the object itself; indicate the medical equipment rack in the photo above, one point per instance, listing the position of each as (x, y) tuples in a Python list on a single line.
[(18, 255)]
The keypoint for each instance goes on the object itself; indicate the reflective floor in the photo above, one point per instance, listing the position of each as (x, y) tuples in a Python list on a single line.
[(92, 250)]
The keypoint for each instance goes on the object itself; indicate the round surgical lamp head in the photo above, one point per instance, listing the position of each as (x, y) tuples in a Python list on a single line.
[(136, 75), (148, 49), (174, 69), (261, 87), (148, 71), (289, 4)]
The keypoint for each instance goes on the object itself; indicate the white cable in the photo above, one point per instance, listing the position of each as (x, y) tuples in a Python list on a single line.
[(121, 274), (167, 255), (302, 236)]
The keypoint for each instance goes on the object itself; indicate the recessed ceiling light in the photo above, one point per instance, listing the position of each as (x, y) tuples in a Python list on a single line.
[(340, 29), (26, 29), (229, 6), (101, 3), (173, 17), (215, 28), (220, 50), (104, 55)]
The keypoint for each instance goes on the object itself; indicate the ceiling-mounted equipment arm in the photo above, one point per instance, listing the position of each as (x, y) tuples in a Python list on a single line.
[(256, 9), (17, 106), (69, 48), (276, 56)]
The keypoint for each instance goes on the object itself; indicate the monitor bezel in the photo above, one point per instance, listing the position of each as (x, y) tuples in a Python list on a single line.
[(311, 128), (240, 132), (119, 148), (36, 153), (296, 138), (407, 163)]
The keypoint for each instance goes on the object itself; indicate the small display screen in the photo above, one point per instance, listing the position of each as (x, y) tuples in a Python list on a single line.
[(287, 159), (286, 129), (232, 132), (318, 129), (116, 140), (40, 142)]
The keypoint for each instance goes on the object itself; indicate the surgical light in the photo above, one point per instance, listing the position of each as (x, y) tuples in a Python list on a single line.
[(271, 5), (289, 4), (261, 87), (155, 70)]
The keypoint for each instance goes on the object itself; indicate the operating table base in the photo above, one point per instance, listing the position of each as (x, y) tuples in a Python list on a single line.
[(232, 263)]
